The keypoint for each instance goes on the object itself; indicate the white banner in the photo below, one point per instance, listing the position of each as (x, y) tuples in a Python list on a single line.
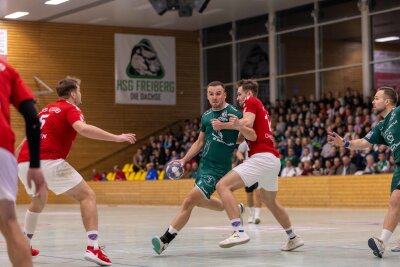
[(145, 70), (3, 44)]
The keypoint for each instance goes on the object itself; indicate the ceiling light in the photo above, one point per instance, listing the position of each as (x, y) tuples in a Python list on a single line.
[(16, 15), (387, 39), (55, 2)]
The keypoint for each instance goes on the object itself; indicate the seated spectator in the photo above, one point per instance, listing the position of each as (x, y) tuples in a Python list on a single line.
[(104, 177), (328, 167), (289, 170), (193, 171), (174, 155), (119, 174), (151, 172), (347, 168), (292, 157), (336, 164), (96, 177), (370, 167), (299, 169), (326, 150), (188, 169), (383, 165), (306, 155), (307, 171), (317, 168), (138, 160)]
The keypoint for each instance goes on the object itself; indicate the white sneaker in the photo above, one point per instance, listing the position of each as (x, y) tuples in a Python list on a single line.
[(377, 246), (237, 238), (257, 220), (251, 219), (396, 248), (292, 244)]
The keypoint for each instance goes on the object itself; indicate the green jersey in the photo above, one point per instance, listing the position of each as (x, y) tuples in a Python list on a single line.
[(387, 132), (218, 145)]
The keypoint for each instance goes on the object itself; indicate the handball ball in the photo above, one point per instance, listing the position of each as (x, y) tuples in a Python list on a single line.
[(174, 170)]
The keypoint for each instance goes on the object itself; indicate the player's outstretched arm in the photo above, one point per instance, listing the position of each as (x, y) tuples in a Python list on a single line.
[(335, 139), (94, 132), (194, 149)]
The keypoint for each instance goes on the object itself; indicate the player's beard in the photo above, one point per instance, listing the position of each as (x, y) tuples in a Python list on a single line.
[(217, 105)]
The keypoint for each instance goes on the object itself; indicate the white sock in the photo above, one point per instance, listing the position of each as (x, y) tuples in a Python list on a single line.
[(92, 239), (385, 236), (257, 212), (31, 220), (236, 225), (251, 211), (172, 230), (290, 233)]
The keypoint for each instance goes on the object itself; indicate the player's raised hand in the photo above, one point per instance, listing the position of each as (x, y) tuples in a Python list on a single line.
[(129, 137), (335, 139), (35, 175)]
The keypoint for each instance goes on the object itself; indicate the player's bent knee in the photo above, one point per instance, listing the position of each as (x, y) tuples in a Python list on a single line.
[(221, 186), (189, 203)]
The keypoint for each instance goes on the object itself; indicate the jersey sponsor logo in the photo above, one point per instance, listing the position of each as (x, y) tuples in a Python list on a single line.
[(268, 136), (219, 137), (208, 180), (54, 110), (224, 116), (390, 126)]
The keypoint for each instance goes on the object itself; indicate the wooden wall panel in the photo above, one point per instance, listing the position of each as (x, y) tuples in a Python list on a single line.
[(53, 50), (366, 191)]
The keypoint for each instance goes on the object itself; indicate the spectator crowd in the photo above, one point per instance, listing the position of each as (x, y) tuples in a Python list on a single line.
[(300, 130)]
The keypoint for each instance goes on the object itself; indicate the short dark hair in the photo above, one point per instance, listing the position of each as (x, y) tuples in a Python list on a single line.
[(248, 85), (67, 85), (390, 93), (216, 83)]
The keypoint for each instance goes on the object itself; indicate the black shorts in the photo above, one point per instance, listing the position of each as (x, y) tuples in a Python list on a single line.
[(251, 188)]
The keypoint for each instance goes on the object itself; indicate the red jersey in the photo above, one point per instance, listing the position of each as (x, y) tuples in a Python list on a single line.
[(57, 133), (262, 127), (12, 91)]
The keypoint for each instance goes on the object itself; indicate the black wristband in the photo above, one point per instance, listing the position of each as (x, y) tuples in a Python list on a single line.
[(27, 109)]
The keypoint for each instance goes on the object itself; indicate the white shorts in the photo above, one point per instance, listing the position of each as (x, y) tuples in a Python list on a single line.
[(262, 168), (59, 175), (8, 176)]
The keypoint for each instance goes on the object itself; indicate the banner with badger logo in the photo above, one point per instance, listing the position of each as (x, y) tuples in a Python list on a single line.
[(145, 70)]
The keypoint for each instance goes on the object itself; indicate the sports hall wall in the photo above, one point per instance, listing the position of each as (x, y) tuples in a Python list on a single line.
[(53, 50), (362, 191)]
